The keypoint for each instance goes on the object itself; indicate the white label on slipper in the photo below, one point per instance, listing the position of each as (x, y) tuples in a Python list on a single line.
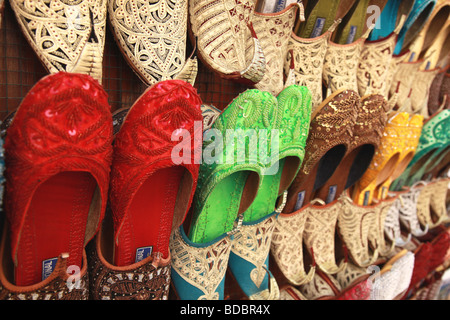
[(142, 253), (318, 27), (331, 194), (300, 200), (47, 267)]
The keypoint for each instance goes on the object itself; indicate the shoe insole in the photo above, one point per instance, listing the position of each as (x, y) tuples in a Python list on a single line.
[(303, 192), (382, 190), (388, 20), (439, 167), (148, 222), (410, 171), (265, 200), (439, 50), (420, 45), (418, 169), (220, 209), (320, 15), (350, 169), (412, 28), (352, 26), (364, 197), (54, 224)]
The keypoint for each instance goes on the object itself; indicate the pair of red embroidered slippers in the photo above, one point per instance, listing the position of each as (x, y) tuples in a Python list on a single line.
[(70, 173)]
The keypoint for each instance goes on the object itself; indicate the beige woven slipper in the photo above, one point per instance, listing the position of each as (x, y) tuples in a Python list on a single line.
[(66, 37), (308, 56), (226, 40), (273, 31), (152, 37), (374, 63)]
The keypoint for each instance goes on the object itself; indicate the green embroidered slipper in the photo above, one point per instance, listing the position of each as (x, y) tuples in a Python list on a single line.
[(292, 125), (435, 138), (249, 258), (233, 162)]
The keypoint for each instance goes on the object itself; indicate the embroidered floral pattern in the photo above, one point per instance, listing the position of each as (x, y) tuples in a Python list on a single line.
[(223, 29), (66, 35), (201, 267), (152, 35), (143, 282)]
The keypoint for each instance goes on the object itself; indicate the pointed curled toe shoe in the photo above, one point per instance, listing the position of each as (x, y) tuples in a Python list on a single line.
[(320, 235), (152, 37), (153, 178), (374, 62), (308, 55), (230, 48), (330, 133), (273, 31), (58, 151), (154, 168), (354, 225), (287, 248), (66, 36)]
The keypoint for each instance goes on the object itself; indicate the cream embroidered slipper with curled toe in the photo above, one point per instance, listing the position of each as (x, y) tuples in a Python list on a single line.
[(66, 36), (226, 41), (152, 37), (353, 226), (374, 62), (435, 58), (273, 31), (308, 56), (409, 76)]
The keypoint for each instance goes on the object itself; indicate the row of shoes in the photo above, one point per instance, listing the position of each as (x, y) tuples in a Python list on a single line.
[(374, 134), (335, 181)]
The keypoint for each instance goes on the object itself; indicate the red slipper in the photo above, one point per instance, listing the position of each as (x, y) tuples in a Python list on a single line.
[(150, 190), (58, 154)]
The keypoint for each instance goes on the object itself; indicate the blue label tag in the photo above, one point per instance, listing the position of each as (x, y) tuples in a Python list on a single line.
[(352, 34), (280, 5), (300, 200), (366, 198), (318, 27), (142, 253), (331, 194), (47, 267)]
